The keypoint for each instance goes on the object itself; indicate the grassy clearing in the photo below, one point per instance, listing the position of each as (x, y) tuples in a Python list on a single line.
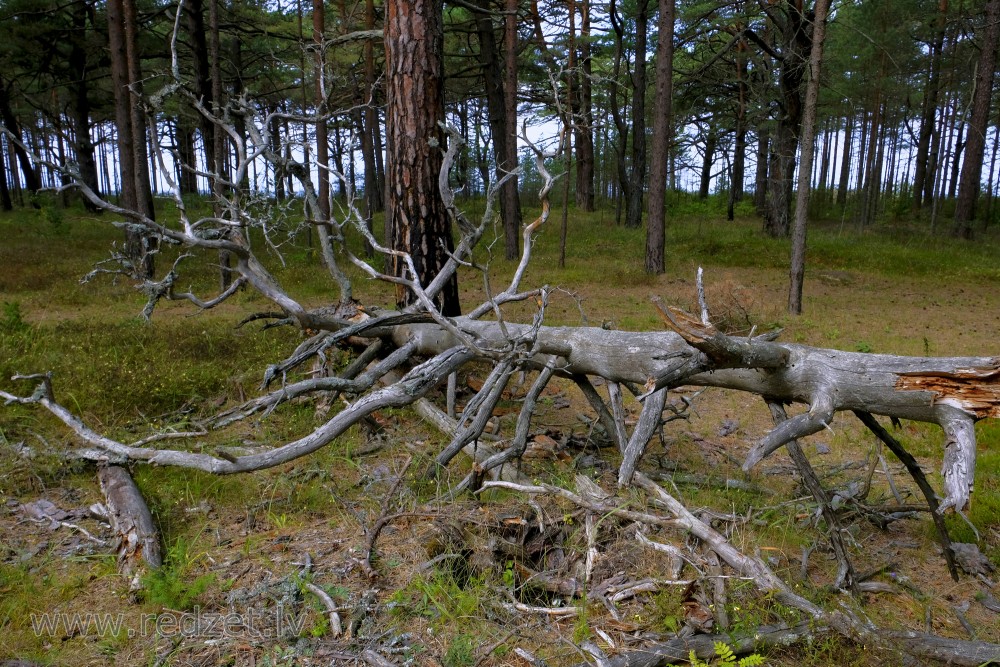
[(235, 541)]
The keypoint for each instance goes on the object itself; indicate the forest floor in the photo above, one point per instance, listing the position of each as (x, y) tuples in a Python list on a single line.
[(242, 551)]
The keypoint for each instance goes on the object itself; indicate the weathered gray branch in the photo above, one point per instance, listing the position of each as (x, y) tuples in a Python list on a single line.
[(412, 386)]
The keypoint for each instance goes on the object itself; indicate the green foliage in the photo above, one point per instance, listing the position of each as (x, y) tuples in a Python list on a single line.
[(12, 319), (461, 652), (440, 598), (725, 656), (669, 613), (581, 625), (54, 216), (172, 586)]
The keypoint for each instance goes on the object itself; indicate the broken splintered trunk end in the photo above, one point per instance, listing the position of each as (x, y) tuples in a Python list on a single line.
[(951, 392), (138, 539)]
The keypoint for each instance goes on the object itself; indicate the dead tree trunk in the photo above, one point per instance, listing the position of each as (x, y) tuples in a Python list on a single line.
[(138, 539)]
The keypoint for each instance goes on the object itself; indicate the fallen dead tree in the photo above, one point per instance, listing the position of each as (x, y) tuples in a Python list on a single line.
[(402, 356)]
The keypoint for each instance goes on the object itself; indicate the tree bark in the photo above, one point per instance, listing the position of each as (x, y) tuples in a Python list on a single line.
[(415, 212), (510, 192), (83, 146), (137, 111), (662, 126), (497, 107), (31, 181), (6, 204), (707, 159), (621, 127), (322, 136), (203, 83), (929, 109), (738, 173), (972, 167), (795, 47), (135, 242), (798, 259), (374, 198), (138, 539), (760, 175), (583, 128), (633, 207)]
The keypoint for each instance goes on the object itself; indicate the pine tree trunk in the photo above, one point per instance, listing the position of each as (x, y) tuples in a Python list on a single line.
[(375, 199), (497, 111), (662, 126), (798, 257), (31, 181), (972, 168), (414, 35), (276, 141), (624, 193), (956, 158), (707, 159), (796, 45), (584, 124), (129, 145), (6, 204), (760, 177), (83, 146), (922, 171), (322, 135), (144, 193), (510, 192), (738, 173), (633, 208), (845, 163)]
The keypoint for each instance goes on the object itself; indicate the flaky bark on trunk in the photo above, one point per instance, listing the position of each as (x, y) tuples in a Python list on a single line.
[(415, 212)]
